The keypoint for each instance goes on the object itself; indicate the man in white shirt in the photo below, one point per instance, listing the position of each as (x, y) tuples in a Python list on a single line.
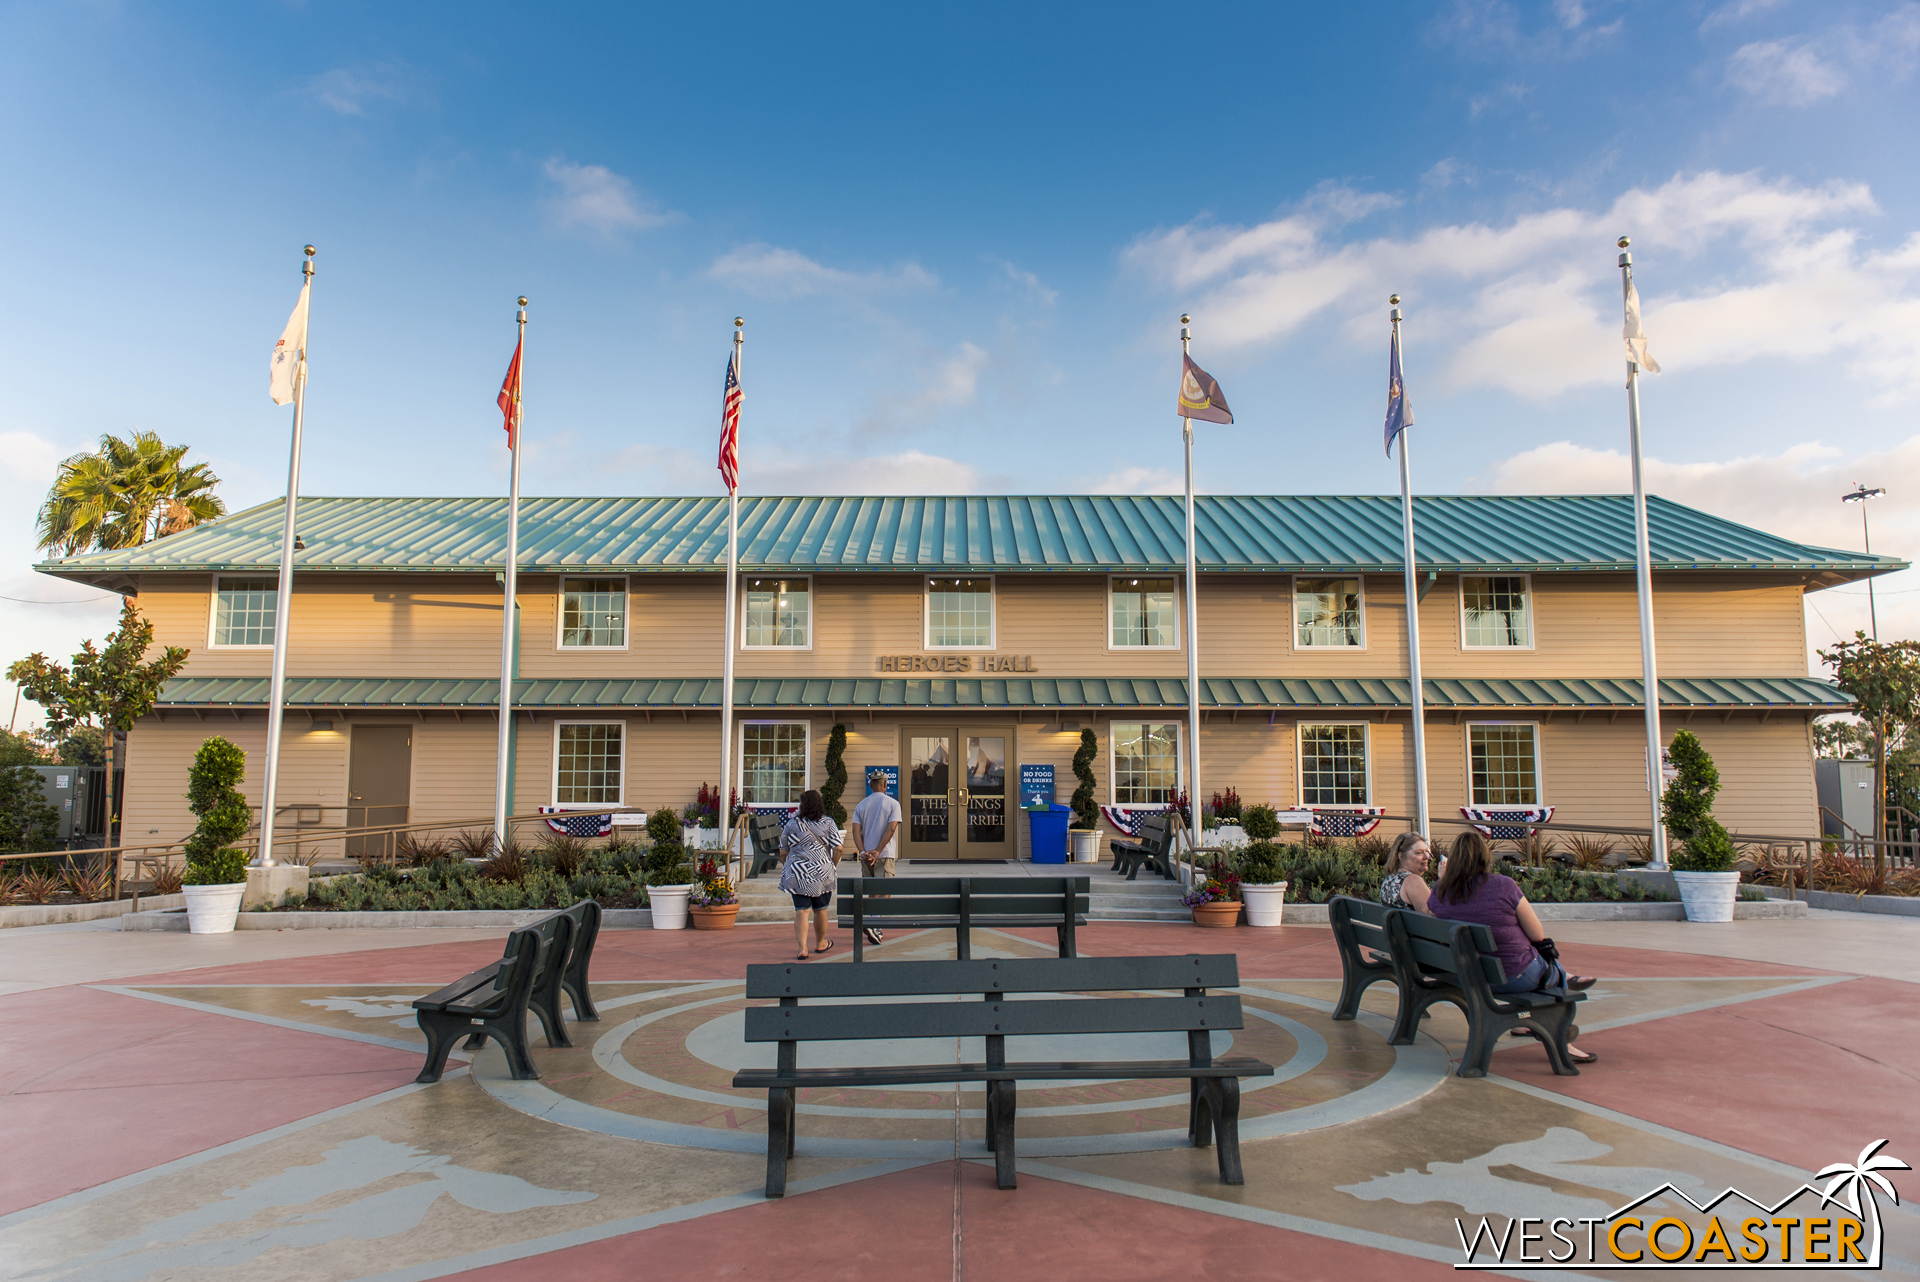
[(876, 822)]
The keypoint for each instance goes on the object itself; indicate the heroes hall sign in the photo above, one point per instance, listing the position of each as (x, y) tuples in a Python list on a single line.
[(956, 663)]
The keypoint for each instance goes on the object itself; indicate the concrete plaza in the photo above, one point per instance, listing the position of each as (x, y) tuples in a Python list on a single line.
[(242, 1106)]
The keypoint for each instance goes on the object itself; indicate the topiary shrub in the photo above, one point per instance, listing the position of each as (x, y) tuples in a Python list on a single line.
[(224, 814), (1262, 864), (663, 825), (836, 784), (1260, 823), (1686, 810), (221, 868), (1086, 811)]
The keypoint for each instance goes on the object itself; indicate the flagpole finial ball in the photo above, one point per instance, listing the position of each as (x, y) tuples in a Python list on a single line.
[(309, 251), (1185, 319), (523, 300), (739, 322), (1624, 241), (1394, 300)]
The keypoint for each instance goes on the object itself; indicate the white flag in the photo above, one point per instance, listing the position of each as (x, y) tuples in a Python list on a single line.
[(290, 352), (1636, 336)]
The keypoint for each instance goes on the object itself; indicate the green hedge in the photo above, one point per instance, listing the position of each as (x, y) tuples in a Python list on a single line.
[(1314, 876), (615, 875)]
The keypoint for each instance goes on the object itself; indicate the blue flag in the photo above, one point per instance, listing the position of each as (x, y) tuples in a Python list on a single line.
[(1399, 409)]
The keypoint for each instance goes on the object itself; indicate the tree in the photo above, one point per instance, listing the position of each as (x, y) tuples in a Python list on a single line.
[(106, 689), (224, 814), (836, 785), (20, 750), (28, 821), (1883, 679), (1686, 808), (1086, 812), (124, 494)]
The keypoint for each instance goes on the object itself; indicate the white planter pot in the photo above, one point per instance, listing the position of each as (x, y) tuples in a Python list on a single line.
[(211, 910), (1708, 896), (669, 905), (700, 838), (1227, 834), (1264, 903), (1083, 844)]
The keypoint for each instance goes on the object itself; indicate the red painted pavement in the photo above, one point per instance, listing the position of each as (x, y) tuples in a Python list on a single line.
[(1806, 1078), (900, 1227), (99, 1085)]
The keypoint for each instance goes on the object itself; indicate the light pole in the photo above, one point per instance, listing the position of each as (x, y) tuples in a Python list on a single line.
[(1860, 495)]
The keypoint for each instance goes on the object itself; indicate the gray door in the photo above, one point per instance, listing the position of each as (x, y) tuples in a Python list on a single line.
[(379, 773)]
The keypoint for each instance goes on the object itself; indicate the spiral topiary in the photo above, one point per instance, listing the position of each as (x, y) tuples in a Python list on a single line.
[(1686, 809), (224, 814), (1086, 812), (836, 784)]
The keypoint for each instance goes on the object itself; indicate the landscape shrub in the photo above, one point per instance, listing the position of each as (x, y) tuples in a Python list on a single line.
[(1686, 809), (224, 814)]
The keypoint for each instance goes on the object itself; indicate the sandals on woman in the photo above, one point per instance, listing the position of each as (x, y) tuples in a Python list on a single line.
[(824, 948)]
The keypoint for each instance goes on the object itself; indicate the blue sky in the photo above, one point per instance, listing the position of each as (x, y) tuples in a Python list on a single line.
[(962, 238)]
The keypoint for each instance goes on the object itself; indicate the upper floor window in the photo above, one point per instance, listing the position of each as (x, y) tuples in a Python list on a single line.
[(960, 613), (1142, 614), (587, 763), (593, 613), (1495, 612), (773, 763), (1333, 765), (243, 611), (1146, 763), (1326, 612), (779, 612), (1504, 763)]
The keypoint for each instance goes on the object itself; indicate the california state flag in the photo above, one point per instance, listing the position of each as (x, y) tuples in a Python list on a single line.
[(290, 352)]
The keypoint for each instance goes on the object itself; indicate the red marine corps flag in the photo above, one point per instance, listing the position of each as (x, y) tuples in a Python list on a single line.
[(509, 398)]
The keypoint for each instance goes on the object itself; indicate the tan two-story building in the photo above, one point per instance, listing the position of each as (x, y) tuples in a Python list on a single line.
[(958, 638)]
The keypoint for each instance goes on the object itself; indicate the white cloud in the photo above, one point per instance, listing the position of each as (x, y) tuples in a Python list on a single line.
[(594, 198), (1738, 11), (776, 469), (351, 90), (772, 272), (1503, 96), (1795, 494), (1784, 71), (1493, 29), (1138, 480), (956, 380), (1532, 306), (1024, 281)]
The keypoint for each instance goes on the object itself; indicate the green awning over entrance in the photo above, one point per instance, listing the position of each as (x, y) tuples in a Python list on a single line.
[(1010, 692)]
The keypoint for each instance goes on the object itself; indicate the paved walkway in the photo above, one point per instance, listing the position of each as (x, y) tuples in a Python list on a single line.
[(242, 1107)]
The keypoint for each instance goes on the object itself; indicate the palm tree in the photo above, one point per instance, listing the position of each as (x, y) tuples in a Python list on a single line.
[(124, 494), (1859, 1178)]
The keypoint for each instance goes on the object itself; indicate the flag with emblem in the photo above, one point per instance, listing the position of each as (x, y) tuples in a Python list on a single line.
[(1200, 395), (509, 398), (1636, 336), (1399, 409), (290, 353), (730, 425)]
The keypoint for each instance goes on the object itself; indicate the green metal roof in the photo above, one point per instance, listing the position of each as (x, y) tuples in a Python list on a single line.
[(1307, 533), (1011, 692)]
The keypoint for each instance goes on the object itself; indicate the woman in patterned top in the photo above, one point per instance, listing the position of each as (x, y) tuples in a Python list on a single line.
[(809, 852), (1405, 885)]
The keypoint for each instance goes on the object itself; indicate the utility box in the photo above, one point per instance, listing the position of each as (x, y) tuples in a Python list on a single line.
[(1845, 788), (65, 786)]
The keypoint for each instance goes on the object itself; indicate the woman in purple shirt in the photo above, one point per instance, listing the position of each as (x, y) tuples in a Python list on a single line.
[(1470, 891)]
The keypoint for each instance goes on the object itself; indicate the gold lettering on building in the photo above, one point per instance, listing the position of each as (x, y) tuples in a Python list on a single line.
[(956, 663)]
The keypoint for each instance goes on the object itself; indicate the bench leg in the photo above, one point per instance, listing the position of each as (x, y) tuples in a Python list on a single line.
[(441, 1033), (1355, 979), (1484, 1030), (583, 1007), (779, 1139), (1222, 1095), (993, 1115), (1553, 1027), (1002, 1110), (552, 1023), (475, 1042), (1199, 1114), (512, 1037)]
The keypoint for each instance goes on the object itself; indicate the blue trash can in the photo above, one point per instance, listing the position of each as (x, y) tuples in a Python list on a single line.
[(1047, 834)]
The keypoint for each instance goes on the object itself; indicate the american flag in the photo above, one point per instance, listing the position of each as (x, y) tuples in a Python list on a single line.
[(572, 823), (730, 425)]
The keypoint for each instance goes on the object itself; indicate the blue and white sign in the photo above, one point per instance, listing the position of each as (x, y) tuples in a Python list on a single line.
[(1036, 784)]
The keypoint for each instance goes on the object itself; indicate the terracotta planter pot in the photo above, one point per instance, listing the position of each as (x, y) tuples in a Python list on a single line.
[(718, 917), (1220, 913)]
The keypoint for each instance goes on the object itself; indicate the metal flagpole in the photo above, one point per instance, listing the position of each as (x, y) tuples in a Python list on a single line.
[(1419, 709), (1193, 637), (283, 601), (508, 574), (733, 593), (1643, 577)]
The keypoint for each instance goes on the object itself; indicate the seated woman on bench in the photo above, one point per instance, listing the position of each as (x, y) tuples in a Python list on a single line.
[(1470, 891), (1405, 885), (809, 852)]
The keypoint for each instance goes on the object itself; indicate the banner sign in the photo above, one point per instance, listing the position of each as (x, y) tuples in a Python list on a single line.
[(1036, 784)]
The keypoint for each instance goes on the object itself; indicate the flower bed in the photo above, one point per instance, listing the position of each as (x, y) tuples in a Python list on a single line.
[(553, 875)]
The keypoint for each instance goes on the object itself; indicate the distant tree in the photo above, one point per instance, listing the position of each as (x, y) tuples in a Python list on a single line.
[(81, 747), (28, 821), (1842, 737), (1883, 678), (20, 750), (124, 494), (106, 689)]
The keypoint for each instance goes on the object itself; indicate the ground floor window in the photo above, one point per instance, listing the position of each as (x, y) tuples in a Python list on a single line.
[(1146, 763), (773, 763), (1504, 765), (587, 762), (1333, 765)]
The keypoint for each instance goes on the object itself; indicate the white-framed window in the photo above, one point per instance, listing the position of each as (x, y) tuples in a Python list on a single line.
[(1496, 612), (1503, 763), (1145, 762), (243, 610), (775, 759), (777, 614), (593, 612), (1334, 769), (1143, 612), (959, 612), (1329, 612), (589, 763)]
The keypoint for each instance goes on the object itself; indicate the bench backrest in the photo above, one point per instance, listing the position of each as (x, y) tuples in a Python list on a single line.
[(1443, 947), (1155, 833), (996, 1015), (555, 934), (1358, 923), (967, 897), (585, 916), (788, 980), (765, 830), (519, 964)]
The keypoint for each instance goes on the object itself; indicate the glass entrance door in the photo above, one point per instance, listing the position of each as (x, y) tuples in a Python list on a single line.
[(957, 793)]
